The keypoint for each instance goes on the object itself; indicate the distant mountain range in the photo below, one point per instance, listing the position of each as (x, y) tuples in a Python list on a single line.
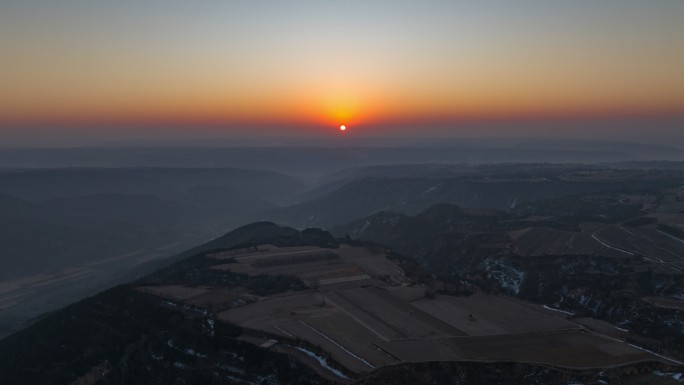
[(320, 158), (582, 238), (412, 188)]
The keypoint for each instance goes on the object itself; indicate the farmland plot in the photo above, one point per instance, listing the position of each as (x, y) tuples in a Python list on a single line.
[(483, 314), (394, 319), (354, 336), (294, 306), (652, 245), (342, 354), (313, 265), (375, 265), (574, 348), (537, 241), (364, 322)]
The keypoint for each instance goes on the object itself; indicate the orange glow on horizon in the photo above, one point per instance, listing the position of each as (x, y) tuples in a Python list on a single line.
[(300, 116), (295, 68)]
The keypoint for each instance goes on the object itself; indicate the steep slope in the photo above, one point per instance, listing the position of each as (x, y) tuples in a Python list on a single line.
[(144, 334), (125, 336), (122, 336)]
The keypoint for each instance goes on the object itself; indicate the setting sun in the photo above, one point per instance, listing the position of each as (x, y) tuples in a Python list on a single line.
[(343, 128)]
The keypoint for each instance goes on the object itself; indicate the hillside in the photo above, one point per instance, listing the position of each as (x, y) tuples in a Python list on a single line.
[(608, 265), (268, 304), (411, 189), (68, 232)]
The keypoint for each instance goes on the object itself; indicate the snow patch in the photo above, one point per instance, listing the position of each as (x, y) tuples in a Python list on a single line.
[(609, 246), (431, 189), (192, 352), (506, 276), (677, 376), (558, 310), (230, 368), (235, 356), (656, 354), (338, 345), (323, 362), (671, 236), (514, 203), (363, 228), (212, 324)]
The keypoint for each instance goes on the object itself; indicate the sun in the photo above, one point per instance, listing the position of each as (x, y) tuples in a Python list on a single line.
[(343, 128)]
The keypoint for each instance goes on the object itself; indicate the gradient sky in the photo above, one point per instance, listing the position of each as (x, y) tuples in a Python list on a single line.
[(170, 67)]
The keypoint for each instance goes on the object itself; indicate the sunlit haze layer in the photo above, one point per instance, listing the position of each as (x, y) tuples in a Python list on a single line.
[(78, 71)]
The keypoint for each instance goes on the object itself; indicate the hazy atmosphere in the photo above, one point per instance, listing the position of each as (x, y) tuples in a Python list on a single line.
[(78, 72), (329, 193)]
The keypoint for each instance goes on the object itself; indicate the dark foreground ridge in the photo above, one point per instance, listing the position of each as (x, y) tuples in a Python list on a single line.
[(122, 336), (154, 332)]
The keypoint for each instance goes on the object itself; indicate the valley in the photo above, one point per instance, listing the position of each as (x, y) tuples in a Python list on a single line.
[(569, 272), (342, 192)]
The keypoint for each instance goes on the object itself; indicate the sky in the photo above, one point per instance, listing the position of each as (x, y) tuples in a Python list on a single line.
[(146, 69)]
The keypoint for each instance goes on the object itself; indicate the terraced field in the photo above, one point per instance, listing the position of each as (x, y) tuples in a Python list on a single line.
[(567, 348), (363, 312), (539, 241), (663, 250), (647, 242)]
